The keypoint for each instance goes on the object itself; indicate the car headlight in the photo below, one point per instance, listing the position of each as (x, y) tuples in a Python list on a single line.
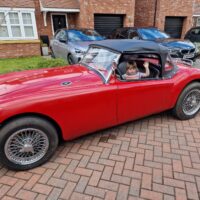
[(78, 51)]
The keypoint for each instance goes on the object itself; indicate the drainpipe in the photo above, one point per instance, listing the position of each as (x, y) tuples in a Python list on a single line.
[(155, 12)]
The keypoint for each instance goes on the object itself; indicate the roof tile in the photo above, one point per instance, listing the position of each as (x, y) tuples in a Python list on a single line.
[(17, 3)]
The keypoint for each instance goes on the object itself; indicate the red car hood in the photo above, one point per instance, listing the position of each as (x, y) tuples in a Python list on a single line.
[(47, 79)]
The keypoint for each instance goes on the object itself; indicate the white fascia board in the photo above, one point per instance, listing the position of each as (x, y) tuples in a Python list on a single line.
[(196, 15), (60, 10)]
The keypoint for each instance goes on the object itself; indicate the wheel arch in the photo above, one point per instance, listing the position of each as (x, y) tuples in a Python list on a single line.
[(187, 84), (39, 115)]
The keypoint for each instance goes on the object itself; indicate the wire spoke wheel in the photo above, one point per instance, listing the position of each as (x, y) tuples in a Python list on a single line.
[(191, 102), (26, 146)]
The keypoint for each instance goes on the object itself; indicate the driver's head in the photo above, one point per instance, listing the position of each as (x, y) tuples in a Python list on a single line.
[(131, 67)]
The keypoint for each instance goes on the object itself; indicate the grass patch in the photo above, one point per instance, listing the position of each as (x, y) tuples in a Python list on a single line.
[(20, 64)]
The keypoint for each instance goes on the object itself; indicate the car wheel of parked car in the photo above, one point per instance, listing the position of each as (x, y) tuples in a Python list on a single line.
[(188, 103), (70, 59), (27, 142)]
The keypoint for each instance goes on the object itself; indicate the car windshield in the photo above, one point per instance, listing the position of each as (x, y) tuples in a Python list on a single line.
[(83, 35), (152, 34), (101, 60)]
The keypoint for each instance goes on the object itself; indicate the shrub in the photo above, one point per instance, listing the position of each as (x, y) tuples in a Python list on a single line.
[(47, 63)]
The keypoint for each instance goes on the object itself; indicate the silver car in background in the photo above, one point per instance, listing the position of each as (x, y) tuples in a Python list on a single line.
[(71, 44)]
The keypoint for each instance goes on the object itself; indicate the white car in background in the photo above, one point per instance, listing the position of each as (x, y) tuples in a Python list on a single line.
[(71, 44)]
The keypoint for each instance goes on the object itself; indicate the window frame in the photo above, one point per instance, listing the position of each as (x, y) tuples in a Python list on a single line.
[(20, 12)]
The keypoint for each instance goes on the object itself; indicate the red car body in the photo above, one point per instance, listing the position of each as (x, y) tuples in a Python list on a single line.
[(88, 104), (38, 105)]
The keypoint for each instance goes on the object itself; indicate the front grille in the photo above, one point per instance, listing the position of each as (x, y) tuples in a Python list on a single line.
[(187, 51)]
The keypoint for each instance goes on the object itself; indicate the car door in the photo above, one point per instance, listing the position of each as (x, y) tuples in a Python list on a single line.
[(55, 44), (139, 98), (62, 45)]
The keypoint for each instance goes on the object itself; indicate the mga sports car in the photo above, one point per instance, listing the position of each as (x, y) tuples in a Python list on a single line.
[(39, 107)]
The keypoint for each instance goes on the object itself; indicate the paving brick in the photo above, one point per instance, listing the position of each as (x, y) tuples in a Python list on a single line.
[(42, 189), (77, 196), (147, 194), (180, 194), (46, 176), (83, 171), (84, 161), (191, 191), (95, 178), (121, 179), (135, 187), (163, 189), (129, 163), (110, 195), (95, 166), (132, 174), (108, 185), (59, 183), (97, 192), (107, 173), (66, 193), (174, 183), (54, 195), (70, 177), (8, 180), (24, 194), (146, 181), (3, 190), (122, 192), (81, 185), (14, 190)]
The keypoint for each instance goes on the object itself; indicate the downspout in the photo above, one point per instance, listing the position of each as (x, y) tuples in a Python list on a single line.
[(155, 12)]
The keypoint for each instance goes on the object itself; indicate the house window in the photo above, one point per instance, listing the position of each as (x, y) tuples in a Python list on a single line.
[(17, 24)]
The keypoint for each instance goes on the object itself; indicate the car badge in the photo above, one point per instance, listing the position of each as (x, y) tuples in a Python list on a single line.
[(66, 83)]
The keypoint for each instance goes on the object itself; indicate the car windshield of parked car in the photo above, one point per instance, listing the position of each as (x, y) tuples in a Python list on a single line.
[(101, 60), (83, 35), (152, 34)]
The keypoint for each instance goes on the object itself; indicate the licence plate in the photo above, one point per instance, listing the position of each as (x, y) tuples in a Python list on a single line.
[(191, 55)]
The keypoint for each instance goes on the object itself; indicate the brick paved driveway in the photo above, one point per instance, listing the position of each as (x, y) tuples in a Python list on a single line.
[(153, 158)]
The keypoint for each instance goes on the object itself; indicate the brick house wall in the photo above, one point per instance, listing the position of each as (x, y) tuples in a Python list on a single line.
[(90, 7), (12, 49), (21, 47), (145, 10)]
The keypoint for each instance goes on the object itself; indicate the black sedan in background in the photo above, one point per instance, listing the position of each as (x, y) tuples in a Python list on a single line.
[(178, 48), (193, 34)]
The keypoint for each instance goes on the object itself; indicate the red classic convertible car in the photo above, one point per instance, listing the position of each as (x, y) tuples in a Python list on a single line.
[(39, 107)]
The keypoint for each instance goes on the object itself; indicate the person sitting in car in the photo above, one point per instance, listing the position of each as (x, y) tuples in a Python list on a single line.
[(132, 72)]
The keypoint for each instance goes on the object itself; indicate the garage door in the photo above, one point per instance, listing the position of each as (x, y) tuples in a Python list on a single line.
[(105, 24), (174, 26)]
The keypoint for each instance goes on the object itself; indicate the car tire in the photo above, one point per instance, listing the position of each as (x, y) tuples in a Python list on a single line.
[(27, 142), (70, 59), (188, 103)]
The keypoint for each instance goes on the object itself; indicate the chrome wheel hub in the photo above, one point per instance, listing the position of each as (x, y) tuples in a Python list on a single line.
[(191, 102), (26, 146)]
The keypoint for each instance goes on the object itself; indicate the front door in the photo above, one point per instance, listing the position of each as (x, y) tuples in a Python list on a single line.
[(59, 22)]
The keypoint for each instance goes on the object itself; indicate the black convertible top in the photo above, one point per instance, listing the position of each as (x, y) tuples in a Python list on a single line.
[(134, 46)]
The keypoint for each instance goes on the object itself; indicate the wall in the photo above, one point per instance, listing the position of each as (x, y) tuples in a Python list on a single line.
[(145, 10), (12, 49), (90, 7)]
